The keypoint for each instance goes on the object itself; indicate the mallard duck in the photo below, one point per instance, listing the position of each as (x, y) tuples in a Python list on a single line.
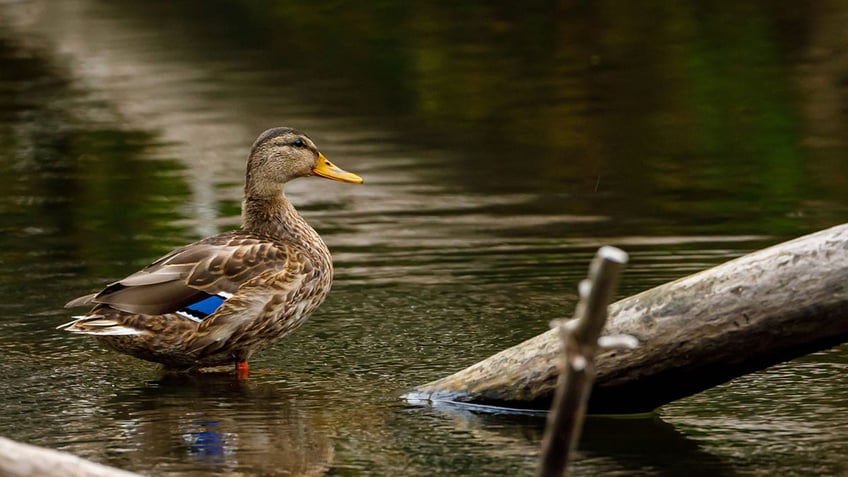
[(220, 300)]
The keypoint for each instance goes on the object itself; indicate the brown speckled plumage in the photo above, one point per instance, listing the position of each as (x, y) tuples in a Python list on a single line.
[(274, 272)]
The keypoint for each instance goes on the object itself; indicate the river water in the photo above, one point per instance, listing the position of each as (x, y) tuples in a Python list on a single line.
[(500, 147)]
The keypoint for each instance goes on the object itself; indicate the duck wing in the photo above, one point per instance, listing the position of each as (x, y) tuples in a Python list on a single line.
[(214, 266)]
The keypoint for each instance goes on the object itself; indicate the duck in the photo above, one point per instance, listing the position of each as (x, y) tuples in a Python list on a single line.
[(218, 301)]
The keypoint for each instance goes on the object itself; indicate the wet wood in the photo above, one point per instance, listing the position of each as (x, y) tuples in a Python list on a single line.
[(24, 460), (697, 332), (579, 342)]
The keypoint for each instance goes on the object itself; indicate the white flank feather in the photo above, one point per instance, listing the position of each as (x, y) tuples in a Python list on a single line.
[(116, 330), (102, 327), (189, 316)]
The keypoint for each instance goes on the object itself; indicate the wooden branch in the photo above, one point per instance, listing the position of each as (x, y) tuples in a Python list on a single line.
[(24, 460), (579, 343), (697, 332)]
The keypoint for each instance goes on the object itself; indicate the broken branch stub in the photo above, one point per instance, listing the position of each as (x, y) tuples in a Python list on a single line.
[(577, 370)]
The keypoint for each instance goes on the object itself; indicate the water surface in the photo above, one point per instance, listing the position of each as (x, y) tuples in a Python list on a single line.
[(499, 148)]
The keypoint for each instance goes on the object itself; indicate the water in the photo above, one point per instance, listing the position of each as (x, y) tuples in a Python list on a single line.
[(499, 149)]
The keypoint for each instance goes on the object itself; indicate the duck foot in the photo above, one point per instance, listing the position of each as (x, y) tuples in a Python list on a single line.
[(242, 370)]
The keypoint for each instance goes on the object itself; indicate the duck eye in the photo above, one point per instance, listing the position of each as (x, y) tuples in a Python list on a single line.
[(299, 143)]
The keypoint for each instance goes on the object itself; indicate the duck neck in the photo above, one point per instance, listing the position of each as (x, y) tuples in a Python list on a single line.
[(274, 216)]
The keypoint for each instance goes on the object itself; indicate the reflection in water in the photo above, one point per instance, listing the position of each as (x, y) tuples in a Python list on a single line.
[(207, 442), (609, 445), (632, 443), (498, 154), (217, 423)]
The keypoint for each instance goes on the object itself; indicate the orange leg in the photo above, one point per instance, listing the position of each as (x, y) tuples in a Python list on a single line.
[(242, 370)]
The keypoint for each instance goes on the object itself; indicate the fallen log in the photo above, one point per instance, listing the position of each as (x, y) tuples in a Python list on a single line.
[(24, 460), (695, 333)]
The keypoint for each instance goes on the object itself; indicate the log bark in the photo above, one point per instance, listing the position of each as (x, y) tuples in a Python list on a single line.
[(695, 333), (24, 460)]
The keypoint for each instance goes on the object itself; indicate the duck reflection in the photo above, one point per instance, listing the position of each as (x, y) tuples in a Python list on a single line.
[(207, 442), (214, 423)]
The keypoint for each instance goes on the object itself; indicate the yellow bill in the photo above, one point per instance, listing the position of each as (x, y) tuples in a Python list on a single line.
[(327, 169)]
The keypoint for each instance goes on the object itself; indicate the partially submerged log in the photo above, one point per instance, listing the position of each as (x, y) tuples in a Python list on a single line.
[(695, 333), (24, 460)]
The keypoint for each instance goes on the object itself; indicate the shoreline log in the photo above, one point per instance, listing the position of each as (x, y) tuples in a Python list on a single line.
[(25, 460), (694, 333)]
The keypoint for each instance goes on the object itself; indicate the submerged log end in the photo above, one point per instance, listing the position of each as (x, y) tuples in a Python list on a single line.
[(527, 379)]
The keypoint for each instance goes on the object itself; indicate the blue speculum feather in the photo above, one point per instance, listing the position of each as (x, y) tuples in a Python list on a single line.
[(205, 307)]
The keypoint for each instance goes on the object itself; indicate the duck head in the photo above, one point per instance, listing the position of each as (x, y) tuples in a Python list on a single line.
[(281, 154)]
